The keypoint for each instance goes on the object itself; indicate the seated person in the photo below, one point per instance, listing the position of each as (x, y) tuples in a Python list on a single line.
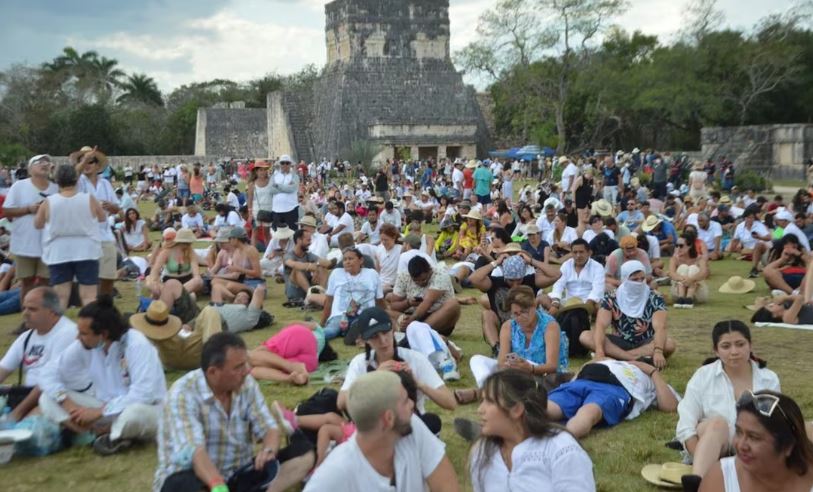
[(194, 453), (664, 231), (289, 355), (543, 457), (389, 433), (175, 261), (226, 217), (47, 333), (775, 422), (279, 245), (628, 250), (607, 392), (581, 281), (631, 217), (193, 220), (134, 232), (788, 264), (446, 243), (596, 227), (637, 315), (371, 229), (242, 266), (711, 233), (688, 271), (534, 245), (560, 238), (128, 395), (707, 412), (178, 344), (531, 342), (513, 271), (650, 244), (164, 216), (337, 221), (424, 294), (302, 269), (470, 235), (350, 290), (748, 234)]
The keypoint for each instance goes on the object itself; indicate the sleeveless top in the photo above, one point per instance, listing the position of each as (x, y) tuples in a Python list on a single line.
[(72, 232), (174, 268), (535, 351), (262, 198), (730, 480), (584, 193)]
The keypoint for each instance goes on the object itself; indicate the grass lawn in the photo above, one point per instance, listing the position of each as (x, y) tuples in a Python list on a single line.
[(618, 454)]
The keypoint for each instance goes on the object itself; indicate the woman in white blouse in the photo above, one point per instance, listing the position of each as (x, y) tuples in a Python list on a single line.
[(519, 449), (708, 412)]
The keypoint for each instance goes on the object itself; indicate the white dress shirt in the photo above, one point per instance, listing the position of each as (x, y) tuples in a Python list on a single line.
[(588, 285)]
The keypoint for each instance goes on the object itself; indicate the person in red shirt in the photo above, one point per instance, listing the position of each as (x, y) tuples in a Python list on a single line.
[(468, 179)]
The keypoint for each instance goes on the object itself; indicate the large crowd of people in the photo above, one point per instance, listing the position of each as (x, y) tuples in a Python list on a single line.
[(567, 257)]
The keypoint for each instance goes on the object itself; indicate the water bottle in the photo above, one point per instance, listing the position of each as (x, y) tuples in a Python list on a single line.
[(139, 285)]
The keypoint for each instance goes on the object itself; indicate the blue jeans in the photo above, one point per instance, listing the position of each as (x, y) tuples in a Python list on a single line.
[(10, 302)]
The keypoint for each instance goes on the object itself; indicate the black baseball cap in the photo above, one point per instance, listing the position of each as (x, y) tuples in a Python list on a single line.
[(370, 322)]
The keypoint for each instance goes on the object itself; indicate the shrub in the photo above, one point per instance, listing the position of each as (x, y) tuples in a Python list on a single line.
[(750, 180)]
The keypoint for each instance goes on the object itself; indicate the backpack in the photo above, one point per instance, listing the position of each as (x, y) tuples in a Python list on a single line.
[(601, 246)]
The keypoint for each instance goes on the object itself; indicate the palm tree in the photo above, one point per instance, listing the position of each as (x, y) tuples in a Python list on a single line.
[(140, 88), (92, 78)]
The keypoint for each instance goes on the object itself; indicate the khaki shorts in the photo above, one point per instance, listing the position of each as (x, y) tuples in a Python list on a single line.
[(27, 267), (107, 263)]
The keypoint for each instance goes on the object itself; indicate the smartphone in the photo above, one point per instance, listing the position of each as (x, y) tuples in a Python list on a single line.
[(419, 299)]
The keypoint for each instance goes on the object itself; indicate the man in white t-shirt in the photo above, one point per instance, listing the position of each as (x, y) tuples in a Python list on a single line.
[(48, 333), (193, 220), (371, 229), (392, 450), (568, 175), (21, 205), (711, 233), (457, 178), (340, 222)]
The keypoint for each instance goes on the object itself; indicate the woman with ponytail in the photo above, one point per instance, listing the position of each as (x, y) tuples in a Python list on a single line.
[(519, 449), (708, 411)]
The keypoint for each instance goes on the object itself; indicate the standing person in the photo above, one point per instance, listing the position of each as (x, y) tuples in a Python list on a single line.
[(659, 178), (382, 185), (457, 179), (568, 175), (392, 449), (259, 197), (707, 413), (468, 179), (126, 375), (70, 243), (482, 184), (210, 423), (611, 176), (284, 187), (697, 181), (519, 448), (21, 205), (89, 163)]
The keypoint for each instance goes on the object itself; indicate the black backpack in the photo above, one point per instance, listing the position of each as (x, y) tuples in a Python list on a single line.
[(601, 246)]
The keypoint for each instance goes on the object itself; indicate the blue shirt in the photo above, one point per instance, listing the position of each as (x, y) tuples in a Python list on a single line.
[(667, 232), (535, 351), (631, 219), (482, 181), (537, 253)]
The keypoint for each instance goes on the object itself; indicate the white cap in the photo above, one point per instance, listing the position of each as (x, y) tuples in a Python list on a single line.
[(38, 158), (784, 215), (285, 158)]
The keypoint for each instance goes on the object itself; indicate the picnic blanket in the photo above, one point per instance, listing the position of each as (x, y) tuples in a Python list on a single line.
[(766, 324)]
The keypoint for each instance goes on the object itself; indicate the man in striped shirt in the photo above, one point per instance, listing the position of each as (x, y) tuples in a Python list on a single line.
[(210, 422)]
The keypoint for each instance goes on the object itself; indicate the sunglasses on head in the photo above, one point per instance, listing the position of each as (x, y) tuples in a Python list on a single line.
[(765, 404)]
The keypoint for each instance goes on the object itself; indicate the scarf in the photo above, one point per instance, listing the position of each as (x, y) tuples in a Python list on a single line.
[(632, 296)]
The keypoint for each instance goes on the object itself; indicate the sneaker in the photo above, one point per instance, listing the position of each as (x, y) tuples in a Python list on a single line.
[(285, 419), (445, 366), (104, 446), (777, 293), (754, 273), (688, 303), (467, 429), (678, 304)]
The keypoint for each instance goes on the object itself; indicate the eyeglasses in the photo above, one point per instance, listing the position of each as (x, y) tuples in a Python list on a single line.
[(681, 245), (765, 404)]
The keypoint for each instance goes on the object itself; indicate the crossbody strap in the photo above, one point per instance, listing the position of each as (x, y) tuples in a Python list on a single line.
[(22, 359)]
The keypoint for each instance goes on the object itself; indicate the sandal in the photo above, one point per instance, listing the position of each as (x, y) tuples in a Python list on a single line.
[(294, 303), (466, 396)]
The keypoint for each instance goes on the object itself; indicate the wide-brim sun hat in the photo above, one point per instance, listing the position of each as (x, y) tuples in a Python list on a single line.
[(471, 164), (511, 248), (100, 156), (576, 303), (603, 208), (737, 285), (185, 236), (650, 223), (156, 323), (307, 220), (283, 232), (666, 475), (473, 214)]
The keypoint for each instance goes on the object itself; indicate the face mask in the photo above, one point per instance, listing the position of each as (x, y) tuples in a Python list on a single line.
[(635, 288)]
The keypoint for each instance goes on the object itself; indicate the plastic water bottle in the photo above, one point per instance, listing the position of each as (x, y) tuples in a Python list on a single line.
[(139, 285)]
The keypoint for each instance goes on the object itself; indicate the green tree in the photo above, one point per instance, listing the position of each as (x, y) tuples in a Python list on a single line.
[(140, 89)]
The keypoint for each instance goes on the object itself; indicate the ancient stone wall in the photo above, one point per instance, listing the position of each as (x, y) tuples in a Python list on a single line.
[(136, 161), (237, 132), (777, 150)]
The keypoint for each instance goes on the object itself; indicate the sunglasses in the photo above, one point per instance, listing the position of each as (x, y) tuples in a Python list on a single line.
[(764, 404), (681, 245)]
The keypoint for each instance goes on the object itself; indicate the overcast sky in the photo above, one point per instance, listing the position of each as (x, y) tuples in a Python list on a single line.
[(182, 41)]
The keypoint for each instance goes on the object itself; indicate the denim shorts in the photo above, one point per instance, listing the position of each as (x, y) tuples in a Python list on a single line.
[(86, 272)]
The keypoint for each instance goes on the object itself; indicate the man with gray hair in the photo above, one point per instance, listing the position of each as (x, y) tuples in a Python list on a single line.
[(391, 450), (21, 205), (48, 333)]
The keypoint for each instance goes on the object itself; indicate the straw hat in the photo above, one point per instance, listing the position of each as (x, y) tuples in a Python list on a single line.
[(666, 475), (697, 166), (511, 248), (185, 236), (737, 285), (100, 156), (602, 208), (576, 303), (471, 164), (307, 220), (262, 164), (650, 223), (759, 302), (283, 232), (473, 214), (156, 324)]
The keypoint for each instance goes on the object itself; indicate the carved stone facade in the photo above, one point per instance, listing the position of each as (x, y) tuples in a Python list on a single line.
[(780, 150), (389, 81)]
